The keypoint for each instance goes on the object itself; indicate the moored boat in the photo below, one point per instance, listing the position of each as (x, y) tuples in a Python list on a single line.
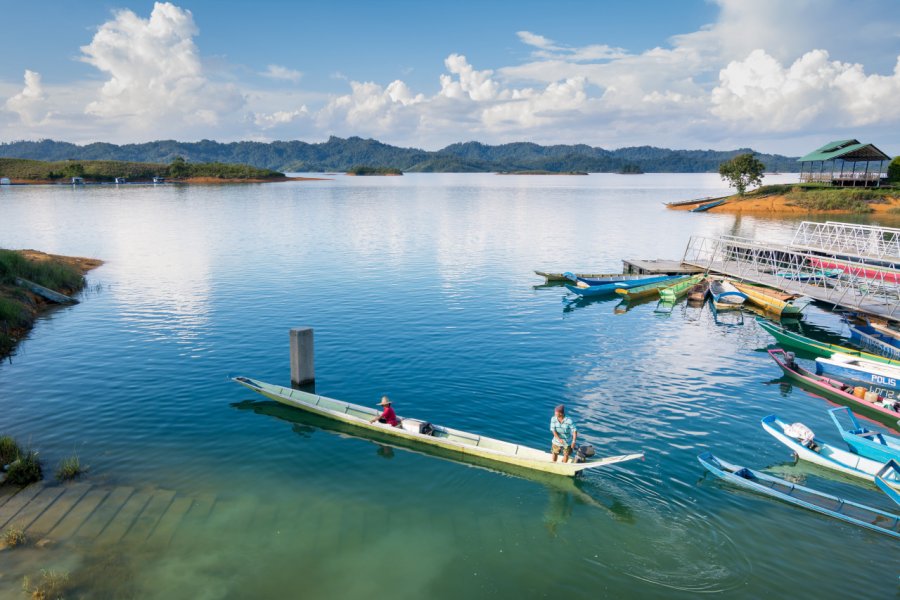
[(425, 434), (708, 205), (826, 455), (834, 390), (648, 289), (610, 288), (811, 499), (725, 296), (674, 292), (789, 339), (771, 300), (699, 291), (563, 277), (584, 281), (864, 441), (869, 337), (874, 374)]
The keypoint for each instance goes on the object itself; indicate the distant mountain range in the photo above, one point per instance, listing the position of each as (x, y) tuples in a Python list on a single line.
[(338, 154)]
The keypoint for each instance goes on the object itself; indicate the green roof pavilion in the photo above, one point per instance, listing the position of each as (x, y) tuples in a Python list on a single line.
[(845, 163)]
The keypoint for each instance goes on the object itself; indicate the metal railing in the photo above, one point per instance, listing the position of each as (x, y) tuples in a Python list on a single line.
[(849, 239)]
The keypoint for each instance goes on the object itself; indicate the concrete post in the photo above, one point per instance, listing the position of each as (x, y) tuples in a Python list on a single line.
[(303, 370)]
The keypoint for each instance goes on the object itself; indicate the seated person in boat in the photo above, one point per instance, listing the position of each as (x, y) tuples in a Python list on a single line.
[(564, 434), (387, 414)]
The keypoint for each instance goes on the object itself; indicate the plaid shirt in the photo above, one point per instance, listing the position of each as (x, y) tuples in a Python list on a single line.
[(565, 430)]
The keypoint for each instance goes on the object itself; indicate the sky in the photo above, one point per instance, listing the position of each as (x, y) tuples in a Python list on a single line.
[(781, 76)]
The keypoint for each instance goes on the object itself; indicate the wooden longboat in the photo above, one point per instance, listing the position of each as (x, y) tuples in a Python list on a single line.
[(870, 373), (826, 504), (461, 442), (563, 277), (611, 288), (871, 338), (826, 455), (864, 441), (832, 389), (725, 295), (699, 291), (649, 289), (708, 205), (769, 299), (674, 292), (789, 339)]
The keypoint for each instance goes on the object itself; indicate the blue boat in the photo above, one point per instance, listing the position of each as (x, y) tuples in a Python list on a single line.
[(707, 206), (863, 441), (876, 375), (820, 502), (892, 467), (591, 281), (610, 288), (872, 339)]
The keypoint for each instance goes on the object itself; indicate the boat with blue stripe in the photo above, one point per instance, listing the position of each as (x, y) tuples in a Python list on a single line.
[(872, 339), (708, 205), (820, 502), (878, 376), (864, 441), (890, 467)]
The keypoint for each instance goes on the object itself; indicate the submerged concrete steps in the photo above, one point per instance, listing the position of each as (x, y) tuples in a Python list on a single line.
[(109, 515)]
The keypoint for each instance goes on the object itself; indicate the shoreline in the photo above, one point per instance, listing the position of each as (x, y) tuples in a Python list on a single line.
[(32, 305), (779, 204), (187, 181)]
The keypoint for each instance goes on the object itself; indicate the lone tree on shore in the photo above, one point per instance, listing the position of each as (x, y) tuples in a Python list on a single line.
[(742, 171), (894, 170)]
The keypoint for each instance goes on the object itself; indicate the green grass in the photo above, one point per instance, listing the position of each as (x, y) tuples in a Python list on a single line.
[(365, 170), (51, 274), (9, 450), (69, 468), (13, 536), (26, 469)]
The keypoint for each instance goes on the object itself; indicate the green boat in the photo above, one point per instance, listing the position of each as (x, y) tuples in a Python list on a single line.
[(651, 289), (825, 350), (677, 290)]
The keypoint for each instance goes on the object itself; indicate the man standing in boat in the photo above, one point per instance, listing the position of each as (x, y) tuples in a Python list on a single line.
[(387, 414), (564, 434)]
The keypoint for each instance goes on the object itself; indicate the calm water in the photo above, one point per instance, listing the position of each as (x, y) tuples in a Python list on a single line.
[(421, 287)]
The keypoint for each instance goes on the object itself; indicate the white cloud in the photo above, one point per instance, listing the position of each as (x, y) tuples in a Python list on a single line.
[(282, 73), (277, 118), (475, 85), (30, 103), (155, 72), (548, 49), (763, 93)]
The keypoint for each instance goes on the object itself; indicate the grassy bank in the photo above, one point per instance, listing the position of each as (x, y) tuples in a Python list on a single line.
[(18, 306), (810, 198), (24, 170), (365, 170)]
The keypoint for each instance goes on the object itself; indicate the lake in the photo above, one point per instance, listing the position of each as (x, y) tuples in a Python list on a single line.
[(420, 287)]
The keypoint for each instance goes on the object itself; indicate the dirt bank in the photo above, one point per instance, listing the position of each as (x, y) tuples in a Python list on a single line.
[(777, 204)]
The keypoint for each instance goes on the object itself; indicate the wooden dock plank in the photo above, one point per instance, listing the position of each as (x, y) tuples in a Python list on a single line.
[(658, 266), (18, 502), (104, 513), (70, 496), (121, 523), (149, 517), (38, 505), (78, 515), (168, 523), (196, 517), (6, 492)]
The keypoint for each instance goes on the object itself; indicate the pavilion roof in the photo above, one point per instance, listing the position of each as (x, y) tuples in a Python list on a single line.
[(847, 150)]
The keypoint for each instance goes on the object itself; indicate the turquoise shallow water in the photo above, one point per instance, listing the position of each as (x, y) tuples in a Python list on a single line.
[(421, 287)]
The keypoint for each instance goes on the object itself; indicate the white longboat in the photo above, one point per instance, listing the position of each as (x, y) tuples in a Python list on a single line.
[(462, 442)]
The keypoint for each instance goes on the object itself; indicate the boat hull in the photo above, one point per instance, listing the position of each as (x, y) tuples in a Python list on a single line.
[(826, 504), (867, 337), (878, 376), (674, 292), (826, 388), (828, 456), (649, 289), (764, 300), (864, 441), (460, 442), (611, 288), (790, 339)]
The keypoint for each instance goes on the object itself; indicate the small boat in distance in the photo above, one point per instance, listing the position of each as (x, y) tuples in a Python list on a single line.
[(699, 291), (834, 390), (826, 455), (826, 504), (425, 434), (648, 289), (673, 292), (864, 441), (768, 299), (725, 296), (707, 206)]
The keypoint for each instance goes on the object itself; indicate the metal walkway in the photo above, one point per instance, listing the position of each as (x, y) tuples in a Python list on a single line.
[(846, 265)]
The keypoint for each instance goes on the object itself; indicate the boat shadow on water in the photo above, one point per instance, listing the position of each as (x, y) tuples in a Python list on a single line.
[(565, 492)]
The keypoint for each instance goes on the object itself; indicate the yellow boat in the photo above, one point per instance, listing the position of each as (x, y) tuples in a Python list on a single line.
[(461, 442), (771, 300)]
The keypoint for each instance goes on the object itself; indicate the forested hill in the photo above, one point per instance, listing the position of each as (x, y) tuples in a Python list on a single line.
[(338, 154)]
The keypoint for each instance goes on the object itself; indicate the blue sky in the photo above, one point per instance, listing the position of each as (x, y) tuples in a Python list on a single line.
[(775, 75)]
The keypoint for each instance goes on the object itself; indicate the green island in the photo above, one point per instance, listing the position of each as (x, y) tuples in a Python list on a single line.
[(630, 169), (23, 170), (364, 170), (19, 304)]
